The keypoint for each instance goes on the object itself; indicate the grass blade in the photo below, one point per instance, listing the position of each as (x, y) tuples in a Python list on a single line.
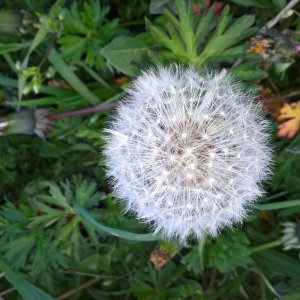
[(27, 290), (66, 72), (279, 263), (278, 205)]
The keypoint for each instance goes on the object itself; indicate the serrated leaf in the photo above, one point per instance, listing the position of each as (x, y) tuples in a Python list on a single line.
[(56, 196), (194, 258), (67, 230), (199, 40), (73, 47), (236, 32), (222, 253), (86, 32), (17, 250)]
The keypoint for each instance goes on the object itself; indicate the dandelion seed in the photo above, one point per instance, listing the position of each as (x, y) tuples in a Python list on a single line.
[(200, 172)]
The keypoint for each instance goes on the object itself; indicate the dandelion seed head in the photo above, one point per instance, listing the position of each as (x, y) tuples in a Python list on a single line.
[(186, 151)]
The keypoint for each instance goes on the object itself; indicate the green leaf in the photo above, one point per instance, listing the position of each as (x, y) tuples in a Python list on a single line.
[(127, 53), (194, 260), (280, 4), (221, 254), (223, 21), (73, 47), (204, 26), (18, 250), (12, 47), (27, 290), (247, 72), (157, 6), (95, 262), (67, 230), (278, 205), (113, 231), (71, 77), (292, 296), (96, 76), (199, 40), (86, 31), (279, 263), (254, 3), (226, 38)]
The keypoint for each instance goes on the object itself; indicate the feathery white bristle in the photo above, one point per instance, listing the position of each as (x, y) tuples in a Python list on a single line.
[(187, 151)]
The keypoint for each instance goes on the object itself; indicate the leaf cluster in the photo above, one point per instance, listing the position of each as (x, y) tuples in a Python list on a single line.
[(86, 31), (201, 39)]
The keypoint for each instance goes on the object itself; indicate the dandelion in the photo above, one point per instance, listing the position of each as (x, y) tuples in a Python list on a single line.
[(187, 151), (291, 236), (26, 121)]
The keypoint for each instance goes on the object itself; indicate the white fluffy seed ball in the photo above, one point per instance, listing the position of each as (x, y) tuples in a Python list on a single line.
[(186, 151)]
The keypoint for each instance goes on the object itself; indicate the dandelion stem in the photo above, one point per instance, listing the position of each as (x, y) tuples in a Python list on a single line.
[(109, 104), (266, 246)]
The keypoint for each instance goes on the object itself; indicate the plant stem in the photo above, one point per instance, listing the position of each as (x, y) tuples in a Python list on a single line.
[(86, 111), (267, 282), (241, 288), (272, 23), (81, 287), (283, 97), (10, 290), (281, 15), (50, 47), (92, 73), (86, 285), (266, 246)]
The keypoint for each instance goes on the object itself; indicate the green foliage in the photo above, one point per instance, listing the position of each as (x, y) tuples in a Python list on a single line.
[(25, 288), (7, 166), (165, 284), (71, 77), (128, 54), (228, 252), (189, 37), (86, 31), (194, 259), (61, 230)]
